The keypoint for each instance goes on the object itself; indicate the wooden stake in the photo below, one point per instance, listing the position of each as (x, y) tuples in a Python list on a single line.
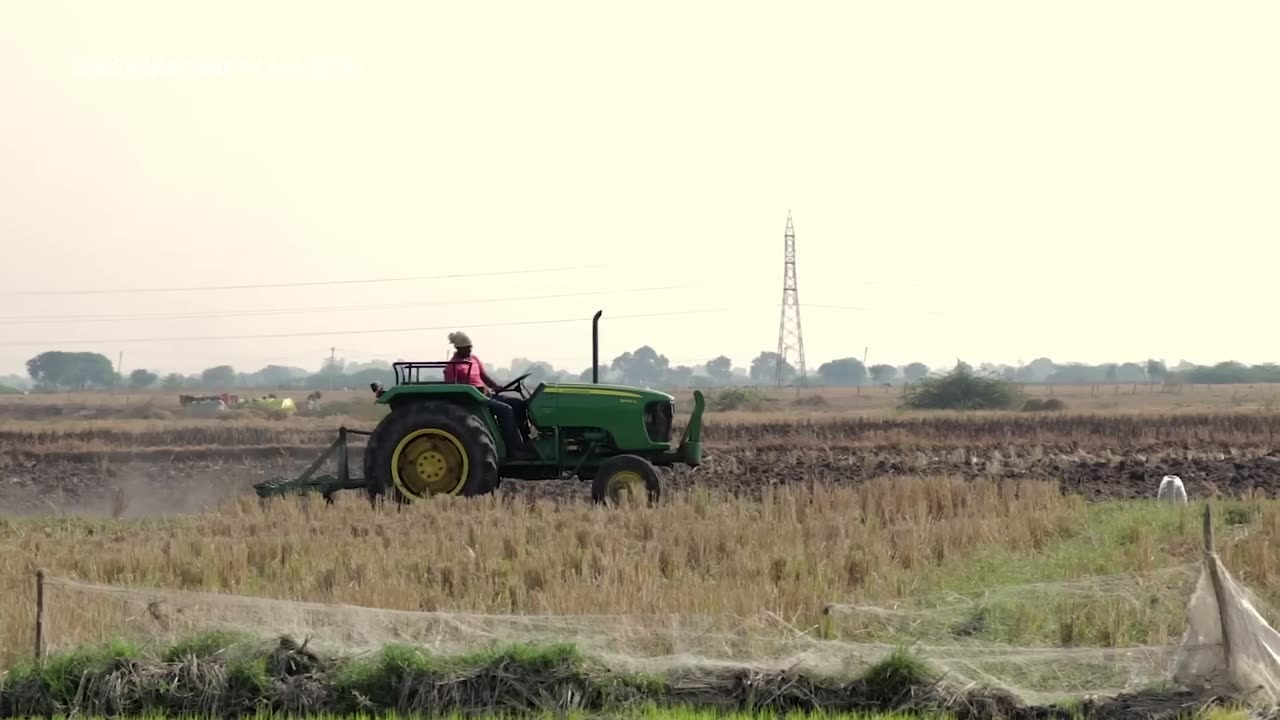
[(39, 615), (1219, 592)]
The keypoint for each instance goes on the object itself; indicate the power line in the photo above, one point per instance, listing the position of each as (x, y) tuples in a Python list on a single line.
[(28, 320), (204, 288), (330, 333), (743, 306)]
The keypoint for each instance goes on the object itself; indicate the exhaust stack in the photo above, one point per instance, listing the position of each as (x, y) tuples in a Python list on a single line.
[(595, 348)]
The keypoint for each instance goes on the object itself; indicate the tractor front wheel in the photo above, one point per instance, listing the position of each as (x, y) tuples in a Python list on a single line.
[(625, 475), (431, 448)]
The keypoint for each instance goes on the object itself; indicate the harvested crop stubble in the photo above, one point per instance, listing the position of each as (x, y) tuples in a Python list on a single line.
[(21, 440), (787, 557), (45, 438), (790, 553)]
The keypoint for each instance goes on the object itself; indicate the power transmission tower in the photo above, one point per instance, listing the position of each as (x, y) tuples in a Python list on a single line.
[(790, 337)]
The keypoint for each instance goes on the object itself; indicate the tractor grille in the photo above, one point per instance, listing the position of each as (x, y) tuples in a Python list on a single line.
[(657, 420)]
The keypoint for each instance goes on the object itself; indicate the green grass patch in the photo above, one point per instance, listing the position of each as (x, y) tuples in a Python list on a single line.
[(650, 713), (208, 645), (245, 680), (242, 678), (1122, 578)]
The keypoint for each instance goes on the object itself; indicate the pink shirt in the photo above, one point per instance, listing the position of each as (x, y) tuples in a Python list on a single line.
[(465, 374)]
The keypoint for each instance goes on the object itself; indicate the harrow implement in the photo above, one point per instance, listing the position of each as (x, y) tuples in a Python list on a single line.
[(326, 485)]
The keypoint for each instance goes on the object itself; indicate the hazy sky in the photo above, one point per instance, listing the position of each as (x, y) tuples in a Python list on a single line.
[(989, 180)]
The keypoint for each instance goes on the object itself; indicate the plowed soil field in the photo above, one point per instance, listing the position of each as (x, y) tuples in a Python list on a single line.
[(155, 467)]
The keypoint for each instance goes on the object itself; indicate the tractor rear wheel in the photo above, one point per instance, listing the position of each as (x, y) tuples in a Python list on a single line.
[(431, 448), (623, 475)]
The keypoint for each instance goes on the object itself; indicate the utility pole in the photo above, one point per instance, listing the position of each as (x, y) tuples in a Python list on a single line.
[(790, 336)]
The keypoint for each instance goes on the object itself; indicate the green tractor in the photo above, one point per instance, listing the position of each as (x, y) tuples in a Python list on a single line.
[(441, 439)]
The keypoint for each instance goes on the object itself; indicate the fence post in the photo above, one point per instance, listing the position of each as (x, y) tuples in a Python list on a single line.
[(39, 615), (1219, 592)]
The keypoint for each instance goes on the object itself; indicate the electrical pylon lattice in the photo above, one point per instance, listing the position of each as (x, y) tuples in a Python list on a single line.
[(790, 336)]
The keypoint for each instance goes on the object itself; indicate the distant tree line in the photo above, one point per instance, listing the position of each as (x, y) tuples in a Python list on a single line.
[(644, 366)]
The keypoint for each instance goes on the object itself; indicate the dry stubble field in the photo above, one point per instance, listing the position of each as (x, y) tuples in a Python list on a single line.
[(137, 455), (800, 504)]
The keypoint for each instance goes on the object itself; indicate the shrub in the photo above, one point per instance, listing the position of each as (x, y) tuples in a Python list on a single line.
[(961, 389), (812, 401), (1046, 405), (739, 399)]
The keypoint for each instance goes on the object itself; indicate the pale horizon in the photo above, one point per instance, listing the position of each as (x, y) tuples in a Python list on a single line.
[(993, 181)]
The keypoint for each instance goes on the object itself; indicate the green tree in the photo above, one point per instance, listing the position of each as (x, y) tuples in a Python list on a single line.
[(843, 372), (277, 376), (643, 367), (219, 376), (601, 370), (1156, 371), (881, 374), (680, 376), (173, 381), (539, 372), (332, 366), (362, 378), (915, 371), (142, 378), (76, 370), (764, 369), (720, 370), (1037, 371), (1131, 372), (1226, 372)]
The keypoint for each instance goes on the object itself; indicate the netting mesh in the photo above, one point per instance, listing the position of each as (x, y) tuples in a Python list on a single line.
[(1041, 641), (1249, 661)]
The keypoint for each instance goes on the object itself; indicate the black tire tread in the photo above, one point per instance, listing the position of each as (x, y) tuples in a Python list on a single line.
[(469, 427)]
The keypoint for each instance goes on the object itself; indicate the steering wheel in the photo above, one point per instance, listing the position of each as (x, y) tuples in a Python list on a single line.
[(514, 384)]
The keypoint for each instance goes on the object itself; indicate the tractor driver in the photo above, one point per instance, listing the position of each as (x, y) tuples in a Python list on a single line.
[(506, 409)]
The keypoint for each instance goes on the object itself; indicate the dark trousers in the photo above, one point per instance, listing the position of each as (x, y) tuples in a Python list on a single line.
[(507, 410)]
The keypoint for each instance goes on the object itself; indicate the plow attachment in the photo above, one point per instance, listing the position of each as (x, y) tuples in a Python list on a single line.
[(326, 485)]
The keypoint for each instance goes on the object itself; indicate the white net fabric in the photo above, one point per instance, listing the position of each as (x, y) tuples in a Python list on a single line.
[(1249, 662), (1042, 641)]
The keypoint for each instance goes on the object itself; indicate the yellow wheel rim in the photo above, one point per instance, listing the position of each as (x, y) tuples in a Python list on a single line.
[(429, 462), (622, 482)]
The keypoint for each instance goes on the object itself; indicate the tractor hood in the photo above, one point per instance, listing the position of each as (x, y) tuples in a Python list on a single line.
[(616, 391), (635, 419)]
